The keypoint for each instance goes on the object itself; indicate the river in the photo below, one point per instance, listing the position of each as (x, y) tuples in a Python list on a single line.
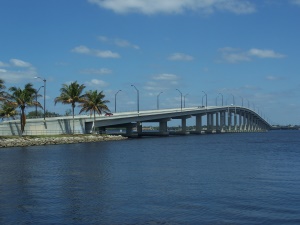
[(234, 178)]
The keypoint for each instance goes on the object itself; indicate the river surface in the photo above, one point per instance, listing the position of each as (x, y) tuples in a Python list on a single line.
[(241, 178)]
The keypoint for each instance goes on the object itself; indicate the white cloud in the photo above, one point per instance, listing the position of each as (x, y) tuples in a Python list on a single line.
[(19, 63), (265, 53), (180, 57), (118, 42), (295, 2), (234, 55), (166, 76), (176, 6), (272, 78), (101, 71), (97, 83), (2, 64), (162, 82), (17, 70), (95, 52)]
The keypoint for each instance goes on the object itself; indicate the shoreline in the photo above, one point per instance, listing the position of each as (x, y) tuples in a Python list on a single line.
[(8, 142)]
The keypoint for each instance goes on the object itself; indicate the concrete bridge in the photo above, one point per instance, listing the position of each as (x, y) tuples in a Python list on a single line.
[(211, 119)]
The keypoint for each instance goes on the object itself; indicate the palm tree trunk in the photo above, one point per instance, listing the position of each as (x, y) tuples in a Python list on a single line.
[(23, 119), (94, 122), (73, 106)]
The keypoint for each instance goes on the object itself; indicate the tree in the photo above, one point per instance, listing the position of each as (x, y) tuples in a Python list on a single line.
[(8, 110), (23, 98), (2, 92), (40, 113), (94, 102), (70, 94)]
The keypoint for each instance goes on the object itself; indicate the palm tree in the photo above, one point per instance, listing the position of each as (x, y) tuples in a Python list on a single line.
[(8, 110), (70, 94), (94, 102), (2, 93), (23, 98)]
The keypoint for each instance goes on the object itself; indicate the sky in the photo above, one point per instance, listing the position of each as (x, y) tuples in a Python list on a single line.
[(246, 52)]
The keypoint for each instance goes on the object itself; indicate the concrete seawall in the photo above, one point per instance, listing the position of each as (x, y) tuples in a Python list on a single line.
[(32, 141)]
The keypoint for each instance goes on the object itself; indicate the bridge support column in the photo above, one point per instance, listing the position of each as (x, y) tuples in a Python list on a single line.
[(222, 121), (218, 130), (235, 121), (209, 123), (229, 121), (129, 128), (198, 124), (183, 125), (139, 128), (163, 127)]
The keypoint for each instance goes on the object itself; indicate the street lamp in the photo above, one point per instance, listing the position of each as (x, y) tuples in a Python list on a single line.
[(116, 100), (233, 101), (180, 98), (36, 95), (242, 101), (138, 98), (43, 79), (205, 99), (157, 100), (184, 100)]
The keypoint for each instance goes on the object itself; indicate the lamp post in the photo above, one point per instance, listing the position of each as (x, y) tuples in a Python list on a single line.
[(184, 100), (36, 95), (233, 101), (242, 101), (138, 98), (116, 100), (180, 98), (43, 79), (205, 98), (157, 100)]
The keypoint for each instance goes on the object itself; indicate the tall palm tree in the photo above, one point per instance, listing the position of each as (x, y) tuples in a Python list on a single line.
[(23, 98), (70, 94), (94, 102), (8, 110)]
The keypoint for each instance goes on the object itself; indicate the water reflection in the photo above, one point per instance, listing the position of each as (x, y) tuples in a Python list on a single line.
[(213, 179)]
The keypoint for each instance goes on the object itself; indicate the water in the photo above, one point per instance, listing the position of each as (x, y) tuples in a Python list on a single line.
[(245, 178)]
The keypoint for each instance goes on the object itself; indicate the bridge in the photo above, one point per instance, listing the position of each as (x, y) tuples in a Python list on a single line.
[(211, 119)]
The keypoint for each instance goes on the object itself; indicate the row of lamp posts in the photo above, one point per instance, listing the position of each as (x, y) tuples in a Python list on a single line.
[(138, 96)]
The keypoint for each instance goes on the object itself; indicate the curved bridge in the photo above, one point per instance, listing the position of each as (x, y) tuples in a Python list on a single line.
[(211, 119)]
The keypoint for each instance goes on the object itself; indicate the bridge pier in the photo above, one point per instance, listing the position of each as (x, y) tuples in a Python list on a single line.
[(183, 126)]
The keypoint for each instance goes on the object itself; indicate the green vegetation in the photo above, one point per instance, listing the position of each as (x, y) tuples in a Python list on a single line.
[(94, 102), (90, 101)]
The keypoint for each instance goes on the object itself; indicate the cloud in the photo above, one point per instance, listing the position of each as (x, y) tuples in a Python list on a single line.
[(295, 2), (180, 57), (101, 71), (2, 64), (235, 55), (97, 83), (19, 63), (265, 53), (118, 42), (149, 7), (162, 82), (232, 55), (95, 52), (17, 70), (272, 78)]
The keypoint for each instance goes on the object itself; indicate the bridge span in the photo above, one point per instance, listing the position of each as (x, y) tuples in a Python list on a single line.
[(211, 119)]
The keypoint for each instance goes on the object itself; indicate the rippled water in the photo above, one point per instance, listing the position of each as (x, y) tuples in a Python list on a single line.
[(245, 178)]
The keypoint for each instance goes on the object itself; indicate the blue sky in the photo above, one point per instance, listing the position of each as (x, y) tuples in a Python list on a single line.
[(246, 50)]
